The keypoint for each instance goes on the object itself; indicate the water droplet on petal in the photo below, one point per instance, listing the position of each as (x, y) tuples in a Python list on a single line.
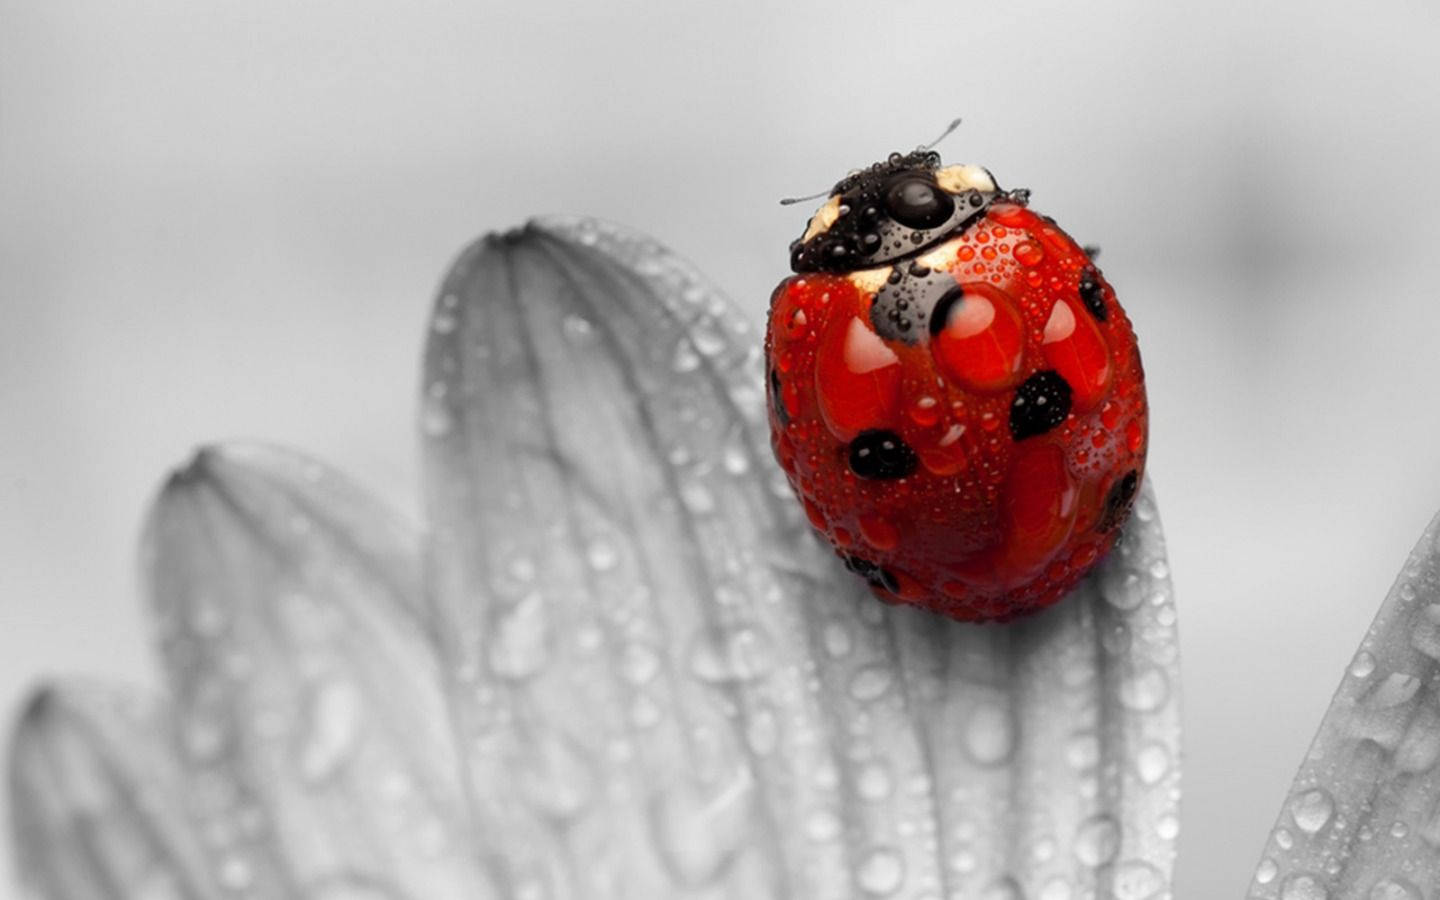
[(1136, 880), (697, 830), (1312, 810), (639, 663), (1097, 841), (1146, 691), (1303, 887), (435, 417), (519, 647), (870, 683), (1363, 664), (837, 639), (1055, 889), (1152, 762), (601, 555), (822, 826), (1394, 889), (990, 734), (881, 872), (1267, 871), (742, 654), (873, 782), (334, 717)]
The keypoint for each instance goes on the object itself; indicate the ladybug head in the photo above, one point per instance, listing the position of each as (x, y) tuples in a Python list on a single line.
[(893, 209)]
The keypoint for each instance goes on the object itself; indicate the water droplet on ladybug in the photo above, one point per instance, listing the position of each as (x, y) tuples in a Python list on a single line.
[(1075, 348), (916, 202), (978, 337), (857, 378), (1028, 253)]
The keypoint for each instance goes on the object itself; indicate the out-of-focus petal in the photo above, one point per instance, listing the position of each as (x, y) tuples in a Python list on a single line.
[(665, 687), (308, 702), (1363, 816), (96, 801)]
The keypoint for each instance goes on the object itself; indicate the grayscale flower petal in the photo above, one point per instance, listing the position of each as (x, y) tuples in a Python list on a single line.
[(308, 702), (666, 687), (1363, 817), (96, 806)]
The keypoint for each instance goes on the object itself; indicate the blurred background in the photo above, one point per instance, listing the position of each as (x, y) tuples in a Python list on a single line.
[(226, 220)]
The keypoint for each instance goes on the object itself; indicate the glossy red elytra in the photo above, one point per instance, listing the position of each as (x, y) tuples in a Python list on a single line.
[(955, 394)]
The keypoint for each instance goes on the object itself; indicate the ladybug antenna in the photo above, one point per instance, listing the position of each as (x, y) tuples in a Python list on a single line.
[(949, 130), (791, 201)]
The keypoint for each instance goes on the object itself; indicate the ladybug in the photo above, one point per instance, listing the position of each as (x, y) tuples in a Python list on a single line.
[(955, 395)]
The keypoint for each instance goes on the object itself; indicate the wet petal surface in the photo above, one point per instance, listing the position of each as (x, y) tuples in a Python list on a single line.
[(1363, 816), (96, 794), (309, 713), (665, 687)]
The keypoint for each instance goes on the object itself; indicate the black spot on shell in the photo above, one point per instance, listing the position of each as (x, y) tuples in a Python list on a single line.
[(1092, 294), (1041, 402), (881, 455), (873, 573), (777, 400), (1118, 500)]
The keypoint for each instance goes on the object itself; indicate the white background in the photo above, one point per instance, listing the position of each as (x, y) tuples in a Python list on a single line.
[(225, 219)]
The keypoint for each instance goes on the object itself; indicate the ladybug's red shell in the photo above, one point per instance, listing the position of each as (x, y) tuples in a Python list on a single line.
[(966, 422)]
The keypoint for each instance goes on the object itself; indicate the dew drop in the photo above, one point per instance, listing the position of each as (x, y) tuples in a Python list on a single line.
[(639, 663), (1267, 871), (736, 460), (1097, 841), (697, 498), (601, 555), (1136, 880), (1055, 889), (822, 826), (1363, 664), (837, 639), (762, 732), (1312, 810), (1168, 828), (1146, 691), (435, 417), (697, 831), (1152, 762), (334, 720), (881, 872), (990, 734), (1394, 889), (870, 683), (742, 654), (577, 329), (445, 320), (235, 874), (685, 358), (519, 646), (707, 338), (1303, 887), (873, 782)]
